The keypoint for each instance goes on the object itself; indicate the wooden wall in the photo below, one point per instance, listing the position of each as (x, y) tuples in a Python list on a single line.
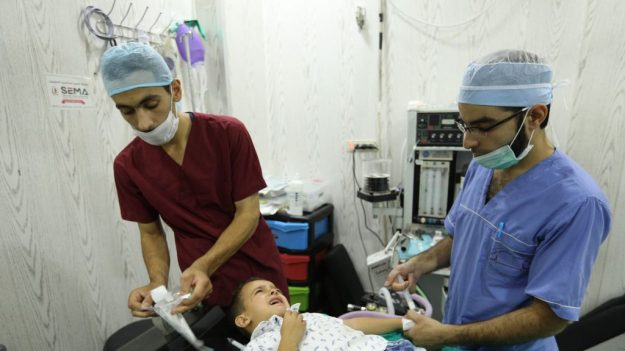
[(67, 260), (305, 79)]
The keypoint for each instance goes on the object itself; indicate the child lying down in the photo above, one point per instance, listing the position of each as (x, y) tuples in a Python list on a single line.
[(261, 310)]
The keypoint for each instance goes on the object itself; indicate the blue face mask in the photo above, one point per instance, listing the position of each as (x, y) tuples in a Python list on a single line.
[(504, 157)]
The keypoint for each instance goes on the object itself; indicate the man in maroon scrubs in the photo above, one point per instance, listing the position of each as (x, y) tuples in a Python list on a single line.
[(199, 173)]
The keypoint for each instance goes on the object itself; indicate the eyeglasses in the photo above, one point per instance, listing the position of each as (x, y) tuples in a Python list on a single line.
[(482, 130)]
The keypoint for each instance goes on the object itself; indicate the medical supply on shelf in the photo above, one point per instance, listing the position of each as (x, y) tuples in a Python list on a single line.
[(376, 175), (294, 196)]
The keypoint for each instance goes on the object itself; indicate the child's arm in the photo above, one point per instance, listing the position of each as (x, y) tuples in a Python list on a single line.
[(370, 325), (292, 331)]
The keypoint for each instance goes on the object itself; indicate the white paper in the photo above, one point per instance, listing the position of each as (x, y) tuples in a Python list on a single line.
[(164, 302), (70, 92)]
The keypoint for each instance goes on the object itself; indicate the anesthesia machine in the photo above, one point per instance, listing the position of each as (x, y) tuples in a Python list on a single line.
[(434, 169)]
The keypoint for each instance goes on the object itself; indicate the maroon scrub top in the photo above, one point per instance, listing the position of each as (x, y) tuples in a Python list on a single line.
[(196, 200)]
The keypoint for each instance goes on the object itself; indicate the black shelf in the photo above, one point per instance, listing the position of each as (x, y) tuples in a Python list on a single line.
[(324, 242), (309, 217)]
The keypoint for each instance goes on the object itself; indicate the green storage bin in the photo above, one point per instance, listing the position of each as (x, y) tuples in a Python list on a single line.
[(299, 294)]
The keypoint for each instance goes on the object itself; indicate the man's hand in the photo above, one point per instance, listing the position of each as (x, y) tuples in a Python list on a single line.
[(407, 271), (437, 256), (427, 332), (292, 331), (193, 278), (140, 301)]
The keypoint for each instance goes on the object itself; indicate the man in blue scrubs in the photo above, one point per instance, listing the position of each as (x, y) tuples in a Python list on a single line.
[(525, 229)]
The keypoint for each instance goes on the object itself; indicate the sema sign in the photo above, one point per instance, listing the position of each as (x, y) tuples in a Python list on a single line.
[(70, 92)]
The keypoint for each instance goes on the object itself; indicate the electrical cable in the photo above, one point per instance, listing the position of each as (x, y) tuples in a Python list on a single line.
[(364, 213), (401, 163), (354, 169), (362, 239), (405, 16), (376, 235)]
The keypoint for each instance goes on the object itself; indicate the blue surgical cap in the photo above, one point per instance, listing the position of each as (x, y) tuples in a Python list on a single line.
[(133, 65), (507, 78)]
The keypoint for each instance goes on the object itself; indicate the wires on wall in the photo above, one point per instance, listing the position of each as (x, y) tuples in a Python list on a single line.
[(413, 20), (362, 240), (376, 235)]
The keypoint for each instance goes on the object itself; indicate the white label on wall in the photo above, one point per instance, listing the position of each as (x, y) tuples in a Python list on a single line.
[(70, 92)]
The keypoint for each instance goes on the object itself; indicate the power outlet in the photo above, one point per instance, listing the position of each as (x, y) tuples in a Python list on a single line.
[(362, 145)]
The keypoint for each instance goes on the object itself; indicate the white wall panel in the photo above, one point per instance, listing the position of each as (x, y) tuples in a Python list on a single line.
[(67, 260), (304, 79), (596, 139), (213, 91), (320, 76)]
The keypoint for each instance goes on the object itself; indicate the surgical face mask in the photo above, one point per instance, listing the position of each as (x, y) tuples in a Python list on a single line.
[(504, 157), (164, 132)]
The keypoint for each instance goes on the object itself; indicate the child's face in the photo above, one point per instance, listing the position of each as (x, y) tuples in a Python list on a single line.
[(261, 300)]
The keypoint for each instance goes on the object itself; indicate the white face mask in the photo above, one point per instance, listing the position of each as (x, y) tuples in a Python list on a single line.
[(164, 132)]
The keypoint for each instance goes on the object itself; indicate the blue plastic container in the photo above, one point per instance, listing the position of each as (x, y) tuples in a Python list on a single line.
[(415, 247), (294, 235)]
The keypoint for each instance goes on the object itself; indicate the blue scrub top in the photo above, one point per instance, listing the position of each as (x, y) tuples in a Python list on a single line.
[(538, 237)]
